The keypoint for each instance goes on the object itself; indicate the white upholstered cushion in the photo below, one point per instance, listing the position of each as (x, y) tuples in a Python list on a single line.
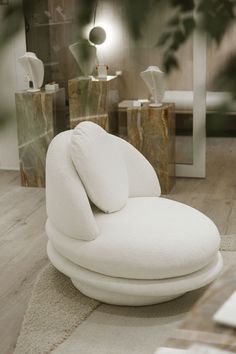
[(132, 292), (150, 238), (143, 180), (184, 100), (100, 166), (67, 203)]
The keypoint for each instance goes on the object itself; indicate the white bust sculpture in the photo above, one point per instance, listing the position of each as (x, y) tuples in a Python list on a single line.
[(34, 69), (154, 78), (85, 55)]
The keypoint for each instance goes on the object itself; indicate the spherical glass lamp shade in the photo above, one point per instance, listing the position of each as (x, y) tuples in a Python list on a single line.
[(97, 35)]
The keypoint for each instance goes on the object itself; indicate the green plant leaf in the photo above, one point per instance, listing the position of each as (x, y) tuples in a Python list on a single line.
[(170, 62), (86, 10), (184, 5), (137, 14), (225, 79), (216, 17), (11, 21)]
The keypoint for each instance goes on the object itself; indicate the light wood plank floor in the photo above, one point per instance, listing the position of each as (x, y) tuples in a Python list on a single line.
[(215, 195), (23, 240), (22, 252)]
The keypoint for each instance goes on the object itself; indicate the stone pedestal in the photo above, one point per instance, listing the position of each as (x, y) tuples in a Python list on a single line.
[(152, 132), (92, 99), (198, 326), (40, 116), (100, 119)]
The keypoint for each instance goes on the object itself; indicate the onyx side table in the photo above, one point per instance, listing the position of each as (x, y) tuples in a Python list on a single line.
[(40, 116), (152, 131), (198, 326), (93, 99)]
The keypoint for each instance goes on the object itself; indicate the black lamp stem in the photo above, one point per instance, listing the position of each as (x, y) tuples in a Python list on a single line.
[(95, 12)]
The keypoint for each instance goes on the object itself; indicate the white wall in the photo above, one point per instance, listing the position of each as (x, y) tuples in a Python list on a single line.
[(11, 80)]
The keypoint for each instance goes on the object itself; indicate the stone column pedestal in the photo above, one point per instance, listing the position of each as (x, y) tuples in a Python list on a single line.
[(100, 119), (152, 131), (92, 99), (40, 116)]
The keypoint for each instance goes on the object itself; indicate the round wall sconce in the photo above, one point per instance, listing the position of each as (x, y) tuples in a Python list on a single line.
[(97, 35)]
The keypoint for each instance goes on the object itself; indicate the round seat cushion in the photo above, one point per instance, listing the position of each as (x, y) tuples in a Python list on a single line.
[(150, 238)]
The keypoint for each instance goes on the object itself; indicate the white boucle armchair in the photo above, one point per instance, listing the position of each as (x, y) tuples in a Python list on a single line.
[(148, 250)]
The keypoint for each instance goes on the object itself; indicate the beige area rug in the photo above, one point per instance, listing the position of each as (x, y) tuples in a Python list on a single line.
[(56, 309), (228, 243)]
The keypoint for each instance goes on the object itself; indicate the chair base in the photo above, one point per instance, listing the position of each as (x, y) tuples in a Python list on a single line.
[(112, 298), (132, 292)]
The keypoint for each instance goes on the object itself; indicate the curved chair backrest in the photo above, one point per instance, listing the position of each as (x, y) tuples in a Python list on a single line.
[(68, 206), (143, 180)]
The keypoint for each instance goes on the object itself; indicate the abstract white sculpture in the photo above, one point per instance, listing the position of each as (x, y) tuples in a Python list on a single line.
[(154, 78), (85, 55), (34, 69)]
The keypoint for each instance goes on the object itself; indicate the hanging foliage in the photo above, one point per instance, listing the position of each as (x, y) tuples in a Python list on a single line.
[(213, 16)]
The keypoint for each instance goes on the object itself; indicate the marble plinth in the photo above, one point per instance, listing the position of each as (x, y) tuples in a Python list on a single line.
[(101, 119), (40, 116), (152, 131), (92, 98), (199, 327)]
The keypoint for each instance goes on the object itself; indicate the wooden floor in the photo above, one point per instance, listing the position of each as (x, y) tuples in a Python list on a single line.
[(215, 195), (23, 241), (22, 252)]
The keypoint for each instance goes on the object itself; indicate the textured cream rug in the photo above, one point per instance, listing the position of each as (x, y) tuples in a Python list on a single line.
[(56, 309), (228, 243)]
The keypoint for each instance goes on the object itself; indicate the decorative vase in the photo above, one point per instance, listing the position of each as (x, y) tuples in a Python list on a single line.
[(154, 78), (85, 55)]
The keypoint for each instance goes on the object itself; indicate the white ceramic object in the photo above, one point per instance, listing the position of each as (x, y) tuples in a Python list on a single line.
[(34, 69), (51, 87), (102, 71), (154, 78), (92, 154), (85, 55)]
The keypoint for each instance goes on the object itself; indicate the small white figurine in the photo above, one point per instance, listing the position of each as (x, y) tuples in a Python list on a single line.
[(154, 78), (34, 69)]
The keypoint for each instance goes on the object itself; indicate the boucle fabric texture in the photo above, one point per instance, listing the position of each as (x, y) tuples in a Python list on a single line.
[(55, 309), (228, 243), (150, 238), (101, 167)]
